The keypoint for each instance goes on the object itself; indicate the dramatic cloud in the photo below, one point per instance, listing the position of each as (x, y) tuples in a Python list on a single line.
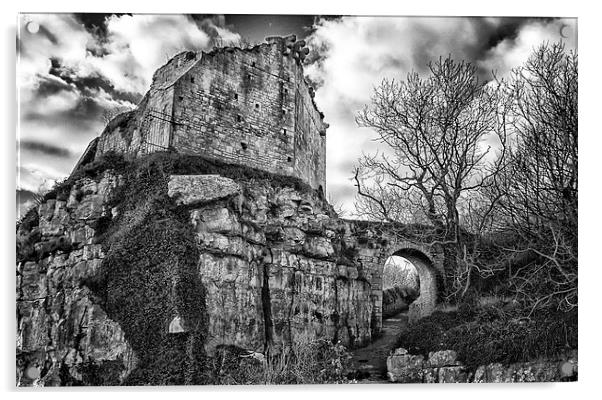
[(514, 51), (71, 68), (352, 55)]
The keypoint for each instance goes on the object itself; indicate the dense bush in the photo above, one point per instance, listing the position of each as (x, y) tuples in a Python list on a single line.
[(492, 334), (149, 276)]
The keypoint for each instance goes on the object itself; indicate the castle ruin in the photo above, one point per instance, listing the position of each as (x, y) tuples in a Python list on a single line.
[(249, 107), (113, 281)]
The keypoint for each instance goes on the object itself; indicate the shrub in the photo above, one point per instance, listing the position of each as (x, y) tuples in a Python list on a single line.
[(491, 334)]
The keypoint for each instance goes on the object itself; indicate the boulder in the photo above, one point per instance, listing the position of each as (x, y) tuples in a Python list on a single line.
[(199, 189), (405, 368), (443, 358)]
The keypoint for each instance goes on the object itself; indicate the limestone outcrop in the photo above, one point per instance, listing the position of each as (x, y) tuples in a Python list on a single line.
[(60, 328), (272, 271), (270, 265)]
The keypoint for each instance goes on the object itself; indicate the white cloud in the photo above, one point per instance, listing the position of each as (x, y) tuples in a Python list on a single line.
[(356, 53), (139, 44), (58, 113), (511, 53)]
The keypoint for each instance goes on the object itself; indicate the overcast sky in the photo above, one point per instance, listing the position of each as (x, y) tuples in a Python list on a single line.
[(72, 67)]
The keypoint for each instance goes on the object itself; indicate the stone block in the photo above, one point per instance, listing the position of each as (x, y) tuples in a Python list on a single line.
[(491, 373), (219, 220), (406, 368), (91, 207), (199, 189), (443, 358)]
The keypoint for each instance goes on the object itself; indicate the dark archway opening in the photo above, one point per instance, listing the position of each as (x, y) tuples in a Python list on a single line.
[(409, 285)]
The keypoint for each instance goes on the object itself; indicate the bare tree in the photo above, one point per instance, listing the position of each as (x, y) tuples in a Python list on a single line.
[(538, 189), (445, 141)]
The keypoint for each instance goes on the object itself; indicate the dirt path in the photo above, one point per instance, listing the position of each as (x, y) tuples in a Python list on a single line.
[(372, 359)]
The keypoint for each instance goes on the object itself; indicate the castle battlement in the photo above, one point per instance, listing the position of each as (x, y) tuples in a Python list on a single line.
[(250, 107)]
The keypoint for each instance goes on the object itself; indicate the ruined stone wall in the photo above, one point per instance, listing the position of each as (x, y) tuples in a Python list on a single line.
[(170, 73), (443, 367), (249, 107), (237, 106), (310, 138), (123, 134)]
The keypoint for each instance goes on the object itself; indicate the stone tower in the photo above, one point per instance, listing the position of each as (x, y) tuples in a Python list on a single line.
[(249, 107)]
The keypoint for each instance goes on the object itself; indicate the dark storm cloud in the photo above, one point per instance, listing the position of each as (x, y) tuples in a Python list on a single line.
[(487, 33), (43, 147), (84, 114), (88, 85), (85, 110), (96, 23), (47, 86), (76, 67), (215, 26), (209, 23)]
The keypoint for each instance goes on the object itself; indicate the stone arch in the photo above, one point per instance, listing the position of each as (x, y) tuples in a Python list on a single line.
[(426, 302)]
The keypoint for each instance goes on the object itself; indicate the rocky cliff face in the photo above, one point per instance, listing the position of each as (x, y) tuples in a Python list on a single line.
[(135, 276), (272, 264), (60, 328)]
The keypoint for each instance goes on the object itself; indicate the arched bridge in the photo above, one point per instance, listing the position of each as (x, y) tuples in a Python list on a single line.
[(375, 242)]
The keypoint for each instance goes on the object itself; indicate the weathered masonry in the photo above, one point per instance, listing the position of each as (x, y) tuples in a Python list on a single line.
[(249, 107), (266, 263)]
